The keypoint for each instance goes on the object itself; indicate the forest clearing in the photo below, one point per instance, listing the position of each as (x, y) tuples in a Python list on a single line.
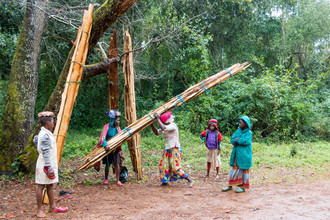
[(164, 109)]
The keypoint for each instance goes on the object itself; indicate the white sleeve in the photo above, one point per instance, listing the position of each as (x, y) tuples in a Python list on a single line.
[(170, 127)]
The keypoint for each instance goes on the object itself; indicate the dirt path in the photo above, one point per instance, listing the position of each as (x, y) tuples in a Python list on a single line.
[(151, 201)]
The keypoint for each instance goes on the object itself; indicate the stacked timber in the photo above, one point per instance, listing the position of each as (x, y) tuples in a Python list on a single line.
[(189, 94)]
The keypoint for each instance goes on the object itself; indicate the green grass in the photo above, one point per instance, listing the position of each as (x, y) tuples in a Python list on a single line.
[(270, 161)]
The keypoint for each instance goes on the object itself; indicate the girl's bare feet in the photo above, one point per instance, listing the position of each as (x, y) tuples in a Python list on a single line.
[(41, 214)]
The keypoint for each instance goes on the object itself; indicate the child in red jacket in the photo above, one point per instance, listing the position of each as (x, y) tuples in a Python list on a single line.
[(212, 139)]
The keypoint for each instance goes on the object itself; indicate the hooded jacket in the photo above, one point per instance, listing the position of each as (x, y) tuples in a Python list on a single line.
[(243, 151)]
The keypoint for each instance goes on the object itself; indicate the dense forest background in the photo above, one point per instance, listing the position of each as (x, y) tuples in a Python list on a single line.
[(285, 91)]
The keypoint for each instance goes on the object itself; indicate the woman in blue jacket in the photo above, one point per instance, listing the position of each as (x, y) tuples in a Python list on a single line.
[(241, 157)]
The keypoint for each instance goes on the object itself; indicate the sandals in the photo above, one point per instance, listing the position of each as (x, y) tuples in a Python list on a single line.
[(239, 190), (227, 188), (60, 209), (50, 176)]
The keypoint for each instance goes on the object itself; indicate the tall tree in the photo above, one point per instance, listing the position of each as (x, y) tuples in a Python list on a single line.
[(17, 119), (103, 18)]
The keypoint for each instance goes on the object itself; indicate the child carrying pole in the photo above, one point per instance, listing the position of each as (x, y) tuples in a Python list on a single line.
[(212, 139)]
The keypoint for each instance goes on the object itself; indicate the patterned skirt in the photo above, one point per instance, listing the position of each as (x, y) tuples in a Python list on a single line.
[(169, 166), (239, 177)]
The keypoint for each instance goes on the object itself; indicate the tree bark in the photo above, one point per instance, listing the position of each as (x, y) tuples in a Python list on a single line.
[(113, 73), (103, 18), (17, 119)]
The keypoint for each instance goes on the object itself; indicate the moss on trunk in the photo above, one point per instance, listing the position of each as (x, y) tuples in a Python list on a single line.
[(17, 118)]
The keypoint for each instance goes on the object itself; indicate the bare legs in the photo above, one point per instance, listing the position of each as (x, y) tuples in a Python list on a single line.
[(51, 197), (106, 174), (50, 192), (40, 213)]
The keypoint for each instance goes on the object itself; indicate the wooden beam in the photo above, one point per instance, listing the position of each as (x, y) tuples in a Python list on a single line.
[(113, 73), (130, 107), (73, 79)]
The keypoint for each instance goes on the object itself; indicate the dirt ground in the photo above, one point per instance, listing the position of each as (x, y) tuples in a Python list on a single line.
[(149, 200)]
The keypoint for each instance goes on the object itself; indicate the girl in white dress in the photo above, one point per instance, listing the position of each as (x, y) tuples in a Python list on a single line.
[(46, 168)]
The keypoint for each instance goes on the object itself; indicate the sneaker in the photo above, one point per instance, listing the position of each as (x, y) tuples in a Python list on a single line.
[(239, 190), (227, 188), (106, 182)]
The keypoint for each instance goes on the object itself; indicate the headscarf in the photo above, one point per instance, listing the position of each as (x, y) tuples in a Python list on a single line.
[(112, 131), (167, 117), (113, 114)]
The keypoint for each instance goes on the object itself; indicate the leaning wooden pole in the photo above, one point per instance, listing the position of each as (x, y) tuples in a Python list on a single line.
[(72, 85), (130, 107), (113, 73), (189, 94)]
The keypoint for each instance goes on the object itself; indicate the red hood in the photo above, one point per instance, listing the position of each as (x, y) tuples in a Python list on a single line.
[(214, 122)]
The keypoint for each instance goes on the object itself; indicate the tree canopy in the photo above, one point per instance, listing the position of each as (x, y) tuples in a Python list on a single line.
[(285, 91)]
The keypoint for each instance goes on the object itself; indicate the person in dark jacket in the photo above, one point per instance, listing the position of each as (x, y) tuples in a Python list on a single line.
[(241, 157)]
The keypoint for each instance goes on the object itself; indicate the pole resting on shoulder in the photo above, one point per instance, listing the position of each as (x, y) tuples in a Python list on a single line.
[(127, 129), (206, 90), (229, 72), (179, 98)]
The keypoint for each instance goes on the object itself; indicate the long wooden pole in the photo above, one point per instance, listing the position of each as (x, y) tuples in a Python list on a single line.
[(130, 107), (113, 73), (189, 94), (73, 80)]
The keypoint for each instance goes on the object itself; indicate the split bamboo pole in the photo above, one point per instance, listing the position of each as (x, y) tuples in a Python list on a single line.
[(189, 94), (73, 79), (130, 107), (113, 73)]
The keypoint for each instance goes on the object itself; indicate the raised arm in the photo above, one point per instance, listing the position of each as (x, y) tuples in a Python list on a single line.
[(154, 129)]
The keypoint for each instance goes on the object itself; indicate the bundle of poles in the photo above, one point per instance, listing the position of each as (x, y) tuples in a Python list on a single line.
[(73, 79), (189, 94)]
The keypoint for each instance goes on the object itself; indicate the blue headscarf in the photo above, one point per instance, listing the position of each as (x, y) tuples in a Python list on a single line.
[(112, 131)]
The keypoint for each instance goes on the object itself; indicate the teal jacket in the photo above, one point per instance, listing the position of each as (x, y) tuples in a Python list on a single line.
[(242, 152)]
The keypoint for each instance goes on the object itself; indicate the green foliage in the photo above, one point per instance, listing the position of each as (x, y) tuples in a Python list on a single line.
[(11, 17), (285, 91), (278, 103), (311, 155)]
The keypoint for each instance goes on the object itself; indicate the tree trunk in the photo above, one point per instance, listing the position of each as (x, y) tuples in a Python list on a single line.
[(113, 74), (103, 18), (17, 119)]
